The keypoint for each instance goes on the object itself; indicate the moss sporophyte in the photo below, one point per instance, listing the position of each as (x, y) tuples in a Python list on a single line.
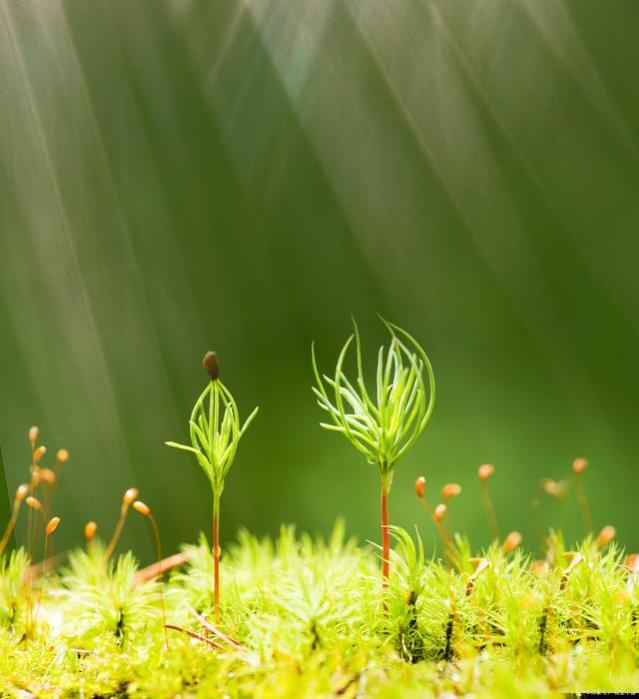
[(384, 424), (215, 430)]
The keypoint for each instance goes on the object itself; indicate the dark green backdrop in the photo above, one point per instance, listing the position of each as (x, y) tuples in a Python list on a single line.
[(191, 174)]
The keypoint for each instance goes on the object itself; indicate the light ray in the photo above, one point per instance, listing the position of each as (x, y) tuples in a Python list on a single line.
[(90, 338)]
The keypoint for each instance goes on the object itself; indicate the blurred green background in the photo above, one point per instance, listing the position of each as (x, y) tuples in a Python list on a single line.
[(184, 175)]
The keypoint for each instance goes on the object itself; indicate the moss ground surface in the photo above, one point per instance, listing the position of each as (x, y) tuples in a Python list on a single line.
[(305, 618)]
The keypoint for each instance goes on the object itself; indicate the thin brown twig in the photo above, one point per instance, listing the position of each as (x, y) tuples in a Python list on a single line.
[(144, 575), (213, 629), (193, 634)]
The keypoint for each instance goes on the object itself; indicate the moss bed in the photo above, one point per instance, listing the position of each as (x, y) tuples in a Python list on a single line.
[(304, 617)]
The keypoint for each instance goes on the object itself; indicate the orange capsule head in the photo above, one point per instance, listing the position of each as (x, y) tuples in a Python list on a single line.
[(33, 503), (52, 525), (556, 489), (579, 466), (90, 528), (632, 562), (539, 567), (130, 495), (606, 535), (33, 434), (142, 508), (22, 492), (47, 476), (451, 490), (485, 471), (420, 484), (39, 453), (62, 456), (439, 512), (512, 541)]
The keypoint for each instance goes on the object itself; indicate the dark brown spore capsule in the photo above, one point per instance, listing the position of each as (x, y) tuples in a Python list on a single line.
[(211, 365)]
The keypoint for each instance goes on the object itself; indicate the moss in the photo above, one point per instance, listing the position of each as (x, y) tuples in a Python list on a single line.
[(304, 617)]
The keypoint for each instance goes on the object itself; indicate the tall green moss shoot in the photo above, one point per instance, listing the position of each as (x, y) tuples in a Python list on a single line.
[(215, 430), (383, 425)]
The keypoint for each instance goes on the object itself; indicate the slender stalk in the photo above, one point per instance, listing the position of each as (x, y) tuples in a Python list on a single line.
[(490, 510), (45, 560), (38, 603), (129, 497), (117, 532), (145, 510), (34, 505), (158, 545), (583, 502), (49, 528), (61, 458), (44, 571), (385, 490), (30, 515), (11, 525), (449, 548), (216, 557)]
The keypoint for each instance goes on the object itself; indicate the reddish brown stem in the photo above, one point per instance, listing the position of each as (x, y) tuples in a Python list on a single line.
[(52, 490), (216, 558), (449, 548), (45, 563), (583, 503), (117, 532), (490, 511), (158, 544), (11, 525), (385, 488)]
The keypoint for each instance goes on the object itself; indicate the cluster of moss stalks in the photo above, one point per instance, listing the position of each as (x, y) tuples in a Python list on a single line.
[(300, 617)]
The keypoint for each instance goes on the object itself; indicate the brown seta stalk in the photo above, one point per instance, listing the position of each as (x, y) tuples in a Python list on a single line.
[(485, 471), (34, 505), (129, 496), (145, 510), (216, 558), (51, 526), (21, 494), (51, 477), (578, 468), (437, 516), (385, 490)]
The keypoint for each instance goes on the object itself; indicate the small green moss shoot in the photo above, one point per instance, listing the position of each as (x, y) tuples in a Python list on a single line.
[(215, 430), (385, 426)]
